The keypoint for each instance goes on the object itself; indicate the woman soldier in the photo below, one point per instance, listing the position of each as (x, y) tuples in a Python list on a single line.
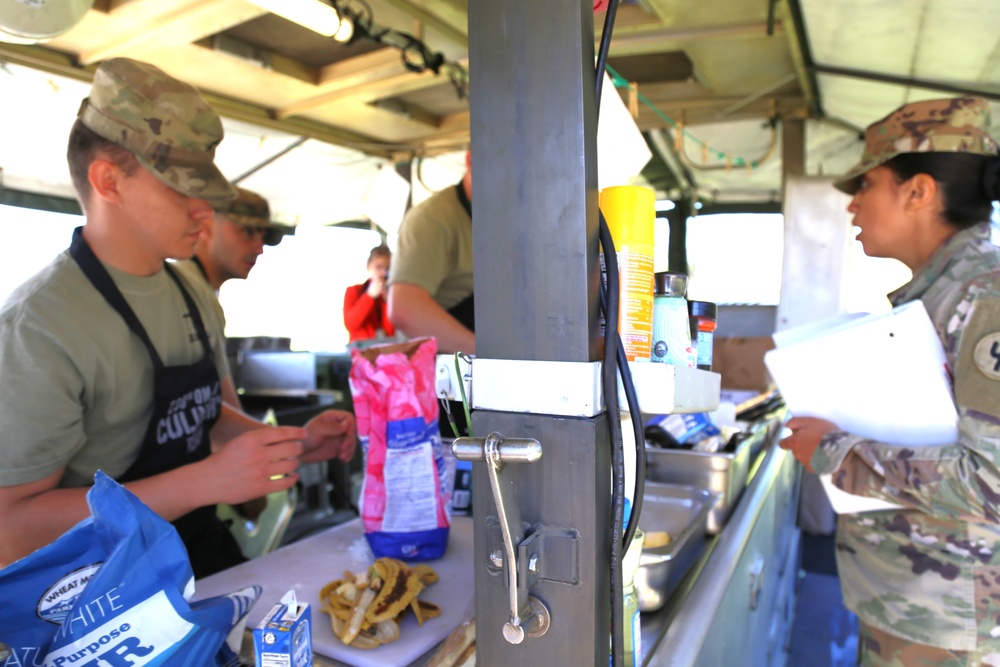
[(925, 580)]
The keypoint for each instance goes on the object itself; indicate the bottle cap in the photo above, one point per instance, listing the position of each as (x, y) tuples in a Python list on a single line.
[(670, 284), (702, 309)]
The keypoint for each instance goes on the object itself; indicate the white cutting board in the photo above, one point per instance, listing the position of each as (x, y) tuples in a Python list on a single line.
[(306, 566)]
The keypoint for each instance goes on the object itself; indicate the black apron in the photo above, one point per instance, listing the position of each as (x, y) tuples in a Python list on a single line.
[(465, 312), (187, 401)]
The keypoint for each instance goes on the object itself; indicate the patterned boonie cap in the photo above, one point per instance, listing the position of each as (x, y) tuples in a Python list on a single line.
[(953, 125), (166, 123), (251, 210)]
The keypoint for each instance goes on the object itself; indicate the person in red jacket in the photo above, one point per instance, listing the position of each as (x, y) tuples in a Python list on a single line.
[(365, 310)]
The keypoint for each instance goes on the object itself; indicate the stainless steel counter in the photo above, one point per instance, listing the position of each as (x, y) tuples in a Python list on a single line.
[(745, 577)]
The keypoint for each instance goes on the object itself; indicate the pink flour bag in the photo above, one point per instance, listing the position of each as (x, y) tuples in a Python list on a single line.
[(405, 500)]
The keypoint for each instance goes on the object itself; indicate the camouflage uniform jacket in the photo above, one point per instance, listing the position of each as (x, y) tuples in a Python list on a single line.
[(931, 574)]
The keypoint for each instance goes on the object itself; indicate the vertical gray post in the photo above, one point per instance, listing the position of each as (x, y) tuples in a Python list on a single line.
[(536, 276), (793, 149)]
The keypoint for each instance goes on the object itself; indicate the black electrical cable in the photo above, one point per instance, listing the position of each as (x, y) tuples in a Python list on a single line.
[(602, 52), (638, 433), (618, 492), (610, 381), (610, 384), (614, 364)]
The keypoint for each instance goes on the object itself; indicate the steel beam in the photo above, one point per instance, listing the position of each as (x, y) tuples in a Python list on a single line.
[(533, 125)]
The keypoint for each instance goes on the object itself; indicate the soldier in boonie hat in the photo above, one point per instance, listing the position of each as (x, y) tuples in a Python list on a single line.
[(954, 125), (164, 122)]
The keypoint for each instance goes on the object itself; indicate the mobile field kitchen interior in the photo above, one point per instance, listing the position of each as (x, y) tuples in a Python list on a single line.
[(343, 113)]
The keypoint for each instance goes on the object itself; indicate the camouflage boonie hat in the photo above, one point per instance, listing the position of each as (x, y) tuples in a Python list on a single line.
[(954, 125), (251, 210), (166, 123)]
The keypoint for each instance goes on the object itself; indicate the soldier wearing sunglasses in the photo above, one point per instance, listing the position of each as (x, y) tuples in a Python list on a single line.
[(236, 238)]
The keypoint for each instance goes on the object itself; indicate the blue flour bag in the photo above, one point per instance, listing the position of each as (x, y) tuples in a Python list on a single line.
[(113, 591)]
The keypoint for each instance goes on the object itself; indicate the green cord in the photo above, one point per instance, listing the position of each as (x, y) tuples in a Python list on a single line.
[(465, 400), (451, 418)]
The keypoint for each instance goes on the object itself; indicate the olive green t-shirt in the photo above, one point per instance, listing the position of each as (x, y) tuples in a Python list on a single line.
[(77, 384), (434, 249)]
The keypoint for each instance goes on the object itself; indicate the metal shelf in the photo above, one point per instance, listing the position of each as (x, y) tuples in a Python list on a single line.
[(574, 389), (664, 389)]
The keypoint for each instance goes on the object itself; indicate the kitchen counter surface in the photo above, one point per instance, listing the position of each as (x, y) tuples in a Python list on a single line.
[(306, 566)]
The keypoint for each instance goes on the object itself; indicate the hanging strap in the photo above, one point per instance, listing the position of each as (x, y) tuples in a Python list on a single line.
[(101, 279)]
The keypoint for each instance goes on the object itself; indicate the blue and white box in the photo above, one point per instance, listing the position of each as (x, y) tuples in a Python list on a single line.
[(284, 637)]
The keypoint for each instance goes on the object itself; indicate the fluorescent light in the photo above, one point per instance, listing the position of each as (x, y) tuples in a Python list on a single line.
[(345, 32), (664, 205), (316, 15)]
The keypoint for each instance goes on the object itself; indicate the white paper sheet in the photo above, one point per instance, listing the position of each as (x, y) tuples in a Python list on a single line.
[(879, 376)]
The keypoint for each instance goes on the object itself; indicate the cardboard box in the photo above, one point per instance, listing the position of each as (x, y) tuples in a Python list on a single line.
[(284, 637), (740, 362)]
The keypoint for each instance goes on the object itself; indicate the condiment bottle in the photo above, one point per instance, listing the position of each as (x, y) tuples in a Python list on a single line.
[(703, 324), (671, 327), (630, 212)]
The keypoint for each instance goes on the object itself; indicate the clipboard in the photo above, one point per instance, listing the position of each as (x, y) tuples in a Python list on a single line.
[(881, 376)]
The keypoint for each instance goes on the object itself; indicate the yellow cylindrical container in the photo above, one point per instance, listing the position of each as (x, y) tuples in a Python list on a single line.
[(630, 212)]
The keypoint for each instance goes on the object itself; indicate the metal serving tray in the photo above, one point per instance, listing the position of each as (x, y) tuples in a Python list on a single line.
[(724, 473), (682, 512)]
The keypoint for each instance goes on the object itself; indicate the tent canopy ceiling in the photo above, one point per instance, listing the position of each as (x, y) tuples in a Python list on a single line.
[(715, 80)]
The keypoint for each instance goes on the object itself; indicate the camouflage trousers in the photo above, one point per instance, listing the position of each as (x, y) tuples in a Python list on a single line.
[(880, 649)]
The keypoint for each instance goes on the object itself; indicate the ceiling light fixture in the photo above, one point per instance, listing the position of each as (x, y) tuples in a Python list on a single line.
[(345, 32), (316, 15), (357, 23)]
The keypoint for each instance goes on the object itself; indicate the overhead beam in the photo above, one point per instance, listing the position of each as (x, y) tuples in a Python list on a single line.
[(801, 53), (756, 95), (432, 20), (639, 39), (453, 133), (275, 62), (908, 81), (366, 68), (62, 64), (374, 76), (184, 24), (389, 86), (706, 112), (666, 101), (402, 114)]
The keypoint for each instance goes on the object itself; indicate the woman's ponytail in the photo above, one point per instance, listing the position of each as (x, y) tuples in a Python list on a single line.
[(991, 178)]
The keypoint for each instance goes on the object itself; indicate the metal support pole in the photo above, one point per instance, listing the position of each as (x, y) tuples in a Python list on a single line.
[(536, 276)]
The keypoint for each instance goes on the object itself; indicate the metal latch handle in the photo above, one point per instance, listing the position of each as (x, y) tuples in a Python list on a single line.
[(528, 616)]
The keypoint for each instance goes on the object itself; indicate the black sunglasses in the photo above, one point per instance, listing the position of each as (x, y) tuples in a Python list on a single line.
[(270, 235)]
